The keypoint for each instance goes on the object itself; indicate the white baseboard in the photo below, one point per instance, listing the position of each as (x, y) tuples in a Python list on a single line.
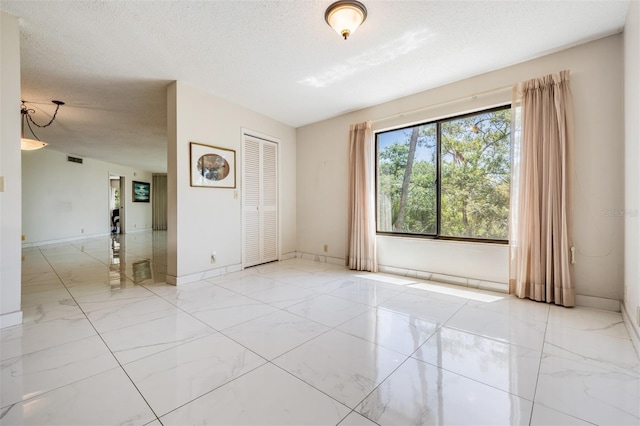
[(10, 319), (199, 276), (581, 300), (63, 240), (135, 230), (321, 258), (410, 273), (80, 237), (598, 303), (446, 279), (632, 327), (287, 256)]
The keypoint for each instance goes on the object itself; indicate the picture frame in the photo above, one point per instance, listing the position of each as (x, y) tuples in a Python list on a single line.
[(212, 166), (141, 192)]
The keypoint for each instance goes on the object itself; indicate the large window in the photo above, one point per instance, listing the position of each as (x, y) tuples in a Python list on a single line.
[(448, 178)]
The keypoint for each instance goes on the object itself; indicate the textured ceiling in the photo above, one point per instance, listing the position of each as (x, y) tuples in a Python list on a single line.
[(110, 61)]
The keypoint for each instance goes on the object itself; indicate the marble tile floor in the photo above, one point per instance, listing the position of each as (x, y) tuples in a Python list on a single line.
[(106, 341)]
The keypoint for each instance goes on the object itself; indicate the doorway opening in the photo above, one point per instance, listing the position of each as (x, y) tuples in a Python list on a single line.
[(116, 204)]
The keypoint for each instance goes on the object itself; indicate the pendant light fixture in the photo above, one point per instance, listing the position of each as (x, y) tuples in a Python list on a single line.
[(345, 16), (29, 144)]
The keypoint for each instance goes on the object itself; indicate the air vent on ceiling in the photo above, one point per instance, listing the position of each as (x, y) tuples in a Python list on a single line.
[(74, 159)]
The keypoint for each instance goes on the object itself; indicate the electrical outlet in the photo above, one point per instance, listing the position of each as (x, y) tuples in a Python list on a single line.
[(24, 237), (82, 231), (326, 248)]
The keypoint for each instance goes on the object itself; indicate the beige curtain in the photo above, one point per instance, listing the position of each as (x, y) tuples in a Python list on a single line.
[(159, 201), (362, 220), (540, 228)]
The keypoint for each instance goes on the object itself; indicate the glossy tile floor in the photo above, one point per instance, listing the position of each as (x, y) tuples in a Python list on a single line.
[(106, 341)]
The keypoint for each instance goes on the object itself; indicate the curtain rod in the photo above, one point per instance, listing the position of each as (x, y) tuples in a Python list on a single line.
[(452, 101)]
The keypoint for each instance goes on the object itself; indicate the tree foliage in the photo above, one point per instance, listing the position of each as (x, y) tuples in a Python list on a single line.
[(475, 167)]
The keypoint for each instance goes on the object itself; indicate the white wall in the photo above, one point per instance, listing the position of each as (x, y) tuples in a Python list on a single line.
[(203, 220), (10, 265), (632, 168), (64, 200), (596, 81)]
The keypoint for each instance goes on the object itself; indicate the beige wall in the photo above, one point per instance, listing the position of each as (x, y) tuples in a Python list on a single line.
[(10, 212), (63, 200), (204, 220), (596, 81), (632, 170)]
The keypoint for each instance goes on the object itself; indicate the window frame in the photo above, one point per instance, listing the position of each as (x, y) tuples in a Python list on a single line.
[(437, 235)]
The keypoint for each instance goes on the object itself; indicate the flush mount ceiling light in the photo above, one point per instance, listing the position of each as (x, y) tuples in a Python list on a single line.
[(345, 16), (28, 144)]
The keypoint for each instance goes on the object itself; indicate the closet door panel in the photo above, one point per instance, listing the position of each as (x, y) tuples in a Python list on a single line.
[(252, 254), (251, 210), (270, 235), (270, 201)]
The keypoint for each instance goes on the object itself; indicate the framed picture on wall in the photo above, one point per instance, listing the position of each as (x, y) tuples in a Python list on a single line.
[(212, 167), (141, 192)]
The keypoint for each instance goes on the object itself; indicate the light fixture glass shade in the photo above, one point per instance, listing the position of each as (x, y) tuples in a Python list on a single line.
[(31, 144), (28, 144), (345, 16)]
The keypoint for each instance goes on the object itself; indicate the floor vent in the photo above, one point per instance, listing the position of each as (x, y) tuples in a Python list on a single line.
[(74, 159)]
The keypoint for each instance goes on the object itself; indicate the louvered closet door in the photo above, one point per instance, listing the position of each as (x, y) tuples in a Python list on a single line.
[(251, 202), (269, 202), (260, 201)]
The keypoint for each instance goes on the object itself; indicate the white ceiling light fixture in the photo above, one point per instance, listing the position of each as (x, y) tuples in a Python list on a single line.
[(345, 16), (29, 144)]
